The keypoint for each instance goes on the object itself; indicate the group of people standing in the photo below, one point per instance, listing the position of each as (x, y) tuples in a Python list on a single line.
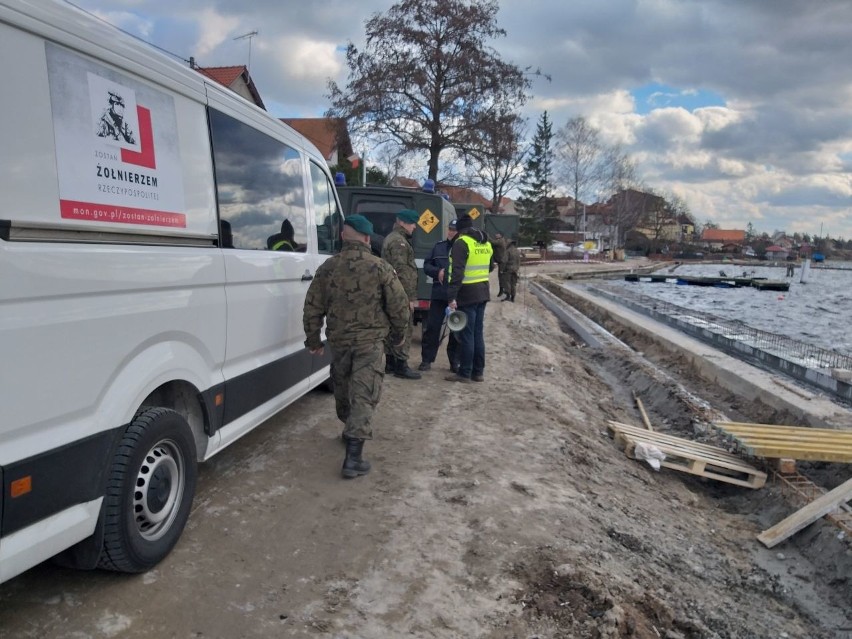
[(366, 302)]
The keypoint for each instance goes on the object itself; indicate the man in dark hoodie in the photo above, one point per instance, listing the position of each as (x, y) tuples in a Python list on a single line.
[(436, 265), (471, 261)]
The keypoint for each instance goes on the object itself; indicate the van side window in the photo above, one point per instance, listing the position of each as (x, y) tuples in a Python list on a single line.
[(328, 217), (260, 185)]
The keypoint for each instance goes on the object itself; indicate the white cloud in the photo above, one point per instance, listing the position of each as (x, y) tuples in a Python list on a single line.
[(128, 21), (214, 29), (305, 59), (779, 152)]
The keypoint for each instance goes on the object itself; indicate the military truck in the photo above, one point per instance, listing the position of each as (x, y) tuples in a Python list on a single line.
[(475, 211), (508, 225), (380, 204)]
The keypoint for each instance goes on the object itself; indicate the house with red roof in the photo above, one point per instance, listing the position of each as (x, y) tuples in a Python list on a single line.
[(329, 135), (776, 252), (717, 239), (237, 79)]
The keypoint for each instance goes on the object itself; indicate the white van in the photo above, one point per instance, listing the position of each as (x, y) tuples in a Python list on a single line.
[(145, 321)]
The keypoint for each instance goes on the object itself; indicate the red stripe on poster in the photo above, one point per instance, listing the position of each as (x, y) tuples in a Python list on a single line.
[(145, 157), (71, 210)]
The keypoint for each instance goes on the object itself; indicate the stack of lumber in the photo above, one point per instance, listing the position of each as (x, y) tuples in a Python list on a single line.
[(789, 442)]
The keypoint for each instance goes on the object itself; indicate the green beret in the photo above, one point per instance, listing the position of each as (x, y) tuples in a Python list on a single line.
[(408, 216), (359, 223)]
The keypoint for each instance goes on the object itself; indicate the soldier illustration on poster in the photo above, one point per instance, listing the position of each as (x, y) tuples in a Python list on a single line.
[(112, 123)]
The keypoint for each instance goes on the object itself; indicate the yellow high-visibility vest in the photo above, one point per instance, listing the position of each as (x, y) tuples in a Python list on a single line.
[(478, 260)]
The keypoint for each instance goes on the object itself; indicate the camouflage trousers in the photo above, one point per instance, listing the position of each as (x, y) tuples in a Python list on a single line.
[(511, 286), (502, 277), (400, 352), (357, 372)]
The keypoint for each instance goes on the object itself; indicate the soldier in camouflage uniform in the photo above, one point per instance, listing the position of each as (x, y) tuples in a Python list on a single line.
[(513, 269), (397, 251), (499, 246), (363, 304)]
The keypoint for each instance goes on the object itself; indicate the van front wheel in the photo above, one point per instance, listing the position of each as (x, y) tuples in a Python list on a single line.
[(149, 491)]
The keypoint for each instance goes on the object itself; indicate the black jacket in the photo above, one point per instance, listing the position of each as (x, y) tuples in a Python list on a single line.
[(438, 258), (469, 293)]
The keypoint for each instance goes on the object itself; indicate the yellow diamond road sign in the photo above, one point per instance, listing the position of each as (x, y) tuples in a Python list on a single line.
[(473, 213), (427, 221)]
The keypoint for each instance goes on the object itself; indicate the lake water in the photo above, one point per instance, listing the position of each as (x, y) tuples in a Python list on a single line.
[(818, 311)]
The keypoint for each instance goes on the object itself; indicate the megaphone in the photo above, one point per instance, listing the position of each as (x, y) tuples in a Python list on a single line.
[(456, 321)]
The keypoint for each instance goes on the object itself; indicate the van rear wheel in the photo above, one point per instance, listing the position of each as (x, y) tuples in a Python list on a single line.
[(149, 491)]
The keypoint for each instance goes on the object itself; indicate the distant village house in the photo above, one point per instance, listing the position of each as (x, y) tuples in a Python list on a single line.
[(729, 241)]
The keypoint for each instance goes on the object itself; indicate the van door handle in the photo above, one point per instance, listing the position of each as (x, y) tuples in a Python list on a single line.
[(307, 277)]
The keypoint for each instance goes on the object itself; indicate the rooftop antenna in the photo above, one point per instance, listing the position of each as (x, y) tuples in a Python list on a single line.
[(248, 35)]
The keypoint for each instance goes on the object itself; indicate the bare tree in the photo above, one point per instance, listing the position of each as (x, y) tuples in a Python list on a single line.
[(498, 162), (427, 77), (581, 160), (619, 178)]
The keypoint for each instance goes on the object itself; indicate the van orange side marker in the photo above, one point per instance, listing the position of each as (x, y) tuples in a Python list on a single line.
[(220, 397), (21, 486)]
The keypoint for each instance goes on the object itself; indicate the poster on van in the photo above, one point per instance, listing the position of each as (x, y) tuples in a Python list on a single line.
[(117, 152)]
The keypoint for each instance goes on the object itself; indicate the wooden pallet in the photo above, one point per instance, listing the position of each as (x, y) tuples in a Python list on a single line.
[(690, 457), (789, 442)]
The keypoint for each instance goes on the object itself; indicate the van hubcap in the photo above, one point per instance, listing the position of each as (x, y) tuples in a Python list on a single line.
[(158, 490)]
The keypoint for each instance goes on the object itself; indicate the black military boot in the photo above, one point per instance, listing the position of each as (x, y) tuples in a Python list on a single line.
[(390, 364), (403, 371), (354, 465)]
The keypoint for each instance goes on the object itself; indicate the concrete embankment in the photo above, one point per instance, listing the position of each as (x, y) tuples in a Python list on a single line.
[(730, 373)]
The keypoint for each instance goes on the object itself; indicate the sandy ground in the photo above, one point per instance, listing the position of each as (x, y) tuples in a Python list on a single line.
[(500, 510)]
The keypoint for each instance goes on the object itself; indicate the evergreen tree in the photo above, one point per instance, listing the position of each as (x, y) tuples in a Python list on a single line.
[(536, 204)]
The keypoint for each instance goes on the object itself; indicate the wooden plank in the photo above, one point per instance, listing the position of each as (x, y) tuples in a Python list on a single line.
[(781, 443), (642, 411), (793, 453), (793, 442), (616, 426), (777, 427), (807, 515), (837, 438), (723, 457), (788, 431)]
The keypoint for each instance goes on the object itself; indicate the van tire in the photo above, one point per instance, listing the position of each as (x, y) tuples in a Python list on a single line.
[(157, 452)]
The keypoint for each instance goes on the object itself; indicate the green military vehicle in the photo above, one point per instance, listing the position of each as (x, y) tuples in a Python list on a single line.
[(508, 225), (380, 204), (475, 211)]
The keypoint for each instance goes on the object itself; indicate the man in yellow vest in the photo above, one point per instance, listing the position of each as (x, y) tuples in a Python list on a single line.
[(471, 260)]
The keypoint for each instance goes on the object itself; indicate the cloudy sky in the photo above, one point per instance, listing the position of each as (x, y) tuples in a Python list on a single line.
[(741, 107)]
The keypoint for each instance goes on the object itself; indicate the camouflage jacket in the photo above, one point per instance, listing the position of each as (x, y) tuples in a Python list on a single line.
[(513, 259), (397, 251), (360, 298), (499, 246)]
